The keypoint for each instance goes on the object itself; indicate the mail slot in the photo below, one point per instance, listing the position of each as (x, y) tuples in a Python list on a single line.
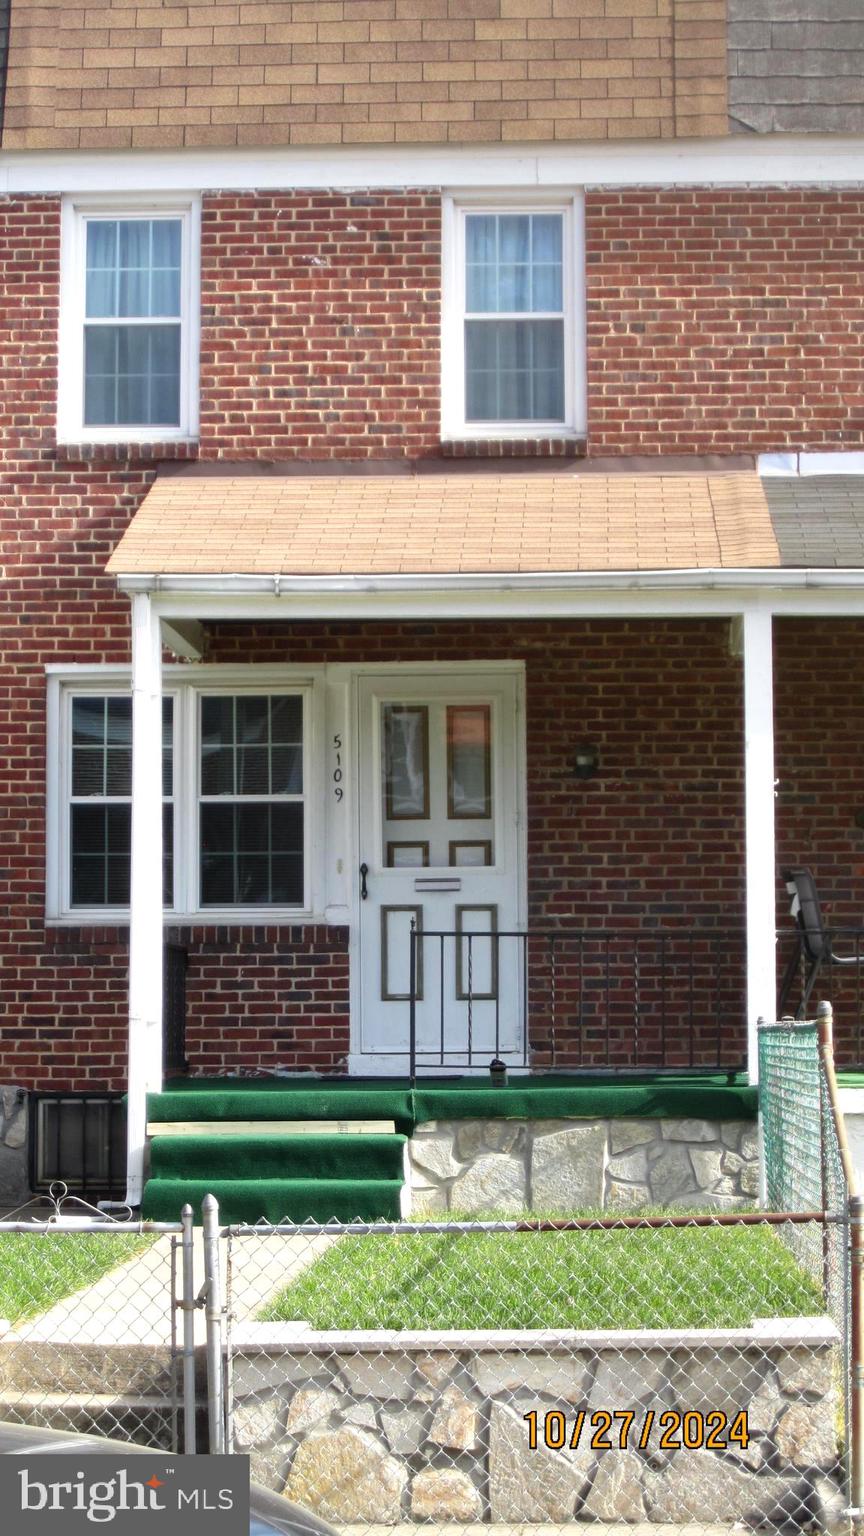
[(443, 883)]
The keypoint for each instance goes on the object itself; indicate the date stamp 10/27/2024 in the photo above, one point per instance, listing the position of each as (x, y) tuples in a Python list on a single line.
[(620, 1429)]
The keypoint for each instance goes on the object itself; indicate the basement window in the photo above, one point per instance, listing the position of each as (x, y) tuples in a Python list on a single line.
[(129, 321)]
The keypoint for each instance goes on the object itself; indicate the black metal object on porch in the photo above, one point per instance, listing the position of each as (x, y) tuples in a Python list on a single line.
[(174, 1008), (577, 999), (814, 947)]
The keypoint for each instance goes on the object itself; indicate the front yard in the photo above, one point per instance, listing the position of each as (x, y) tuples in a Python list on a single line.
[(690, 1277), (40, 1269)]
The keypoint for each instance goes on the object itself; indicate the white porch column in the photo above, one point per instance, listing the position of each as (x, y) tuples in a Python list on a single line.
[(145, 905), (759, 824)]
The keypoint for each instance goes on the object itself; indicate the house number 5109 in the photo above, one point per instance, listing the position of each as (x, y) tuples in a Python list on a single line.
[(337, 771)]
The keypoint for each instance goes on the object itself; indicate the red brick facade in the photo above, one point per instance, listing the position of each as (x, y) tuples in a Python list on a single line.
[(722, 321), (320, 340), (656, 840)]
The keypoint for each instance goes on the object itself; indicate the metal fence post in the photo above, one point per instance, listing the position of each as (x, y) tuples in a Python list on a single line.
[(214, 1314), (857, 1361), (188, 1306)]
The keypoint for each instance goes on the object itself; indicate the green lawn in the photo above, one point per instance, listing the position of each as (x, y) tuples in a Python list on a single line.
[(37, 1270), (696, 1277)]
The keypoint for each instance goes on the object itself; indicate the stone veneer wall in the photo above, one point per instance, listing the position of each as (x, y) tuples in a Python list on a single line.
[(14, 1172), (368, 1427), (509, 1166)]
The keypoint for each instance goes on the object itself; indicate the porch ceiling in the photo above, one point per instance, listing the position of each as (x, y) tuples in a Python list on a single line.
[(447, 524)]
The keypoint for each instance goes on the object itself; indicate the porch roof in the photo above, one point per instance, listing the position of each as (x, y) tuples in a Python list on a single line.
[(447, 524)]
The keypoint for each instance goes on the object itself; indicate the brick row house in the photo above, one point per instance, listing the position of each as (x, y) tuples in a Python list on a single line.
[(436, 427)]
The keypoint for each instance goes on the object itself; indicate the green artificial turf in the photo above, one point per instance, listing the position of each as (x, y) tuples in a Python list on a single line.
[(691, 1095), (273, 1200), (696, 1277), (39, 1269), (323, 1157)]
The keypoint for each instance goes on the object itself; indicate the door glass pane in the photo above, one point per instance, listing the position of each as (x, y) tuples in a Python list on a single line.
[(469, 761), (406, 762)]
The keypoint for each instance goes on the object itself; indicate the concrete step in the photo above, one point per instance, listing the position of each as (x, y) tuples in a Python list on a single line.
[(123, 1370)]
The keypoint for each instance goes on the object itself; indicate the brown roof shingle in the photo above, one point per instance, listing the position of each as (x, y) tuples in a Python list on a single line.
[(447, 524)]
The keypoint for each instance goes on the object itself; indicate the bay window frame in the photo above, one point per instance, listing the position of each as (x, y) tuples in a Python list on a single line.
[(75, 215), (187, 685), (455, 212)]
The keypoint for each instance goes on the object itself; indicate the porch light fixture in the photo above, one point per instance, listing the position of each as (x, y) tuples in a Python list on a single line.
[(586, 761), (498, 1073)]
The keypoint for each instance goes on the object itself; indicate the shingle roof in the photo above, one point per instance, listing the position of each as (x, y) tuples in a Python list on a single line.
[(447, 524), (818, 520)]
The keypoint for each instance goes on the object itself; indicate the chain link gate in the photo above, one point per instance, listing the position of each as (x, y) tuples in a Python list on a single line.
[(90, 1340), (685, 1372)]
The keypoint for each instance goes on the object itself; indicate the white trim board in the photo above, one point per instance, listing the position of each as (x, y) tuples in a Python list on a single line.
[(844, 462), (779, 159)]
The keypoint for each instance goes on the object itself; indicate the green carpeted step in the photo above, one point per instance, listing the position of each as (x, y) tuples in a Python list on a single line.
[(275, 1200), (343, 1157), (690, 1094)]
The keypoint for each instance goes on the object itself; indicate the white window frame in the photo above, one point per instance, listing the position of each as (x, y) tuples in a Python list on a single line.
[(454, 213), (186, 685), (75, 214)]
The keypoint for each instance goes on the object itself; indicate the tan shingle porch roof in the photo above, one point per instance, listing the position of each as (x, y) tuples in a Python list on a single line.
[(447, 524)]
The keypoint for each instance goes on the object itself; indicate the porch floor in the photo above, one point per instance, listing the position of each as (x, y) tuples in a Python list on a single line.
[(656, 1095)]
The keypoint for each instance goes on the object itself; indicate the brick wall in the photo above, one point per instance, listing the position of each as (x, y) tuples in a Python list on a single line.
[(718, 321), (723, 320), (321, 317), (323, 72), (654, 841)]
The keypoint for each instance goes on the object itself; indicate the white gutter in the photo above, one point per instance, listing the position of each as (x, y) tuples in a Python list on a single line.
[(712, 579)]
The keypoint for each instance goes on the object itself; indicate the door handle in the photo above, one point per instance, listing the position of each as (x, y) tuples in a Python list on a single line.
[(364, 870)]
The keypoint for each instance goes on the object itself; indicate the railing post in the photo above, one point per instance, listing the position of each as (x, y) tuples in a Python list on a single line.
[(188, 1305), (412, 1005), (856, 1361), (213, 1313)]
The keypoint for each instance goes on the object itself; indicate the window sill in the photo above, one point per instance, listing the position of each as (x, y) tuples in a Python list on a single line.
[(127, 452), (256, 917), (563, 447)]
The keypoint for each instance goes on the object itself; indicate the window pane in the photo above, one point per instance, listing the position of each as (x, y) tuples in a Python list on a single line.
[(119, 722), (286, 768), (132, 375), (167, 746), (286, 718), (251, 855), (100, 843), (88, 721), (217, 770), (101, 276), (239, 754), (252, 719), (514, 263), (514, 370), (217, 720)]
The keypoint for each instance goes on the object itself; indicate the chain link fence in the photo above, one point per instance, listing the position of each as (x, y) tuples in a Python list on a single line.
[(89, 1337), (630, 1374)]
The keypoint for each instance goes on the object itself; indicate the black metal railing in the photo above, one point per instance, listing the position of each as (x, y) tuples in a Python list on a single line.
[(578, 999)]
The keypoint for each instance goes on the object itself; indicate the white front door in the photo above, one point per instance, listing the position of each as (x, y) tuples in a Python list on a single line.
[(438, 845)]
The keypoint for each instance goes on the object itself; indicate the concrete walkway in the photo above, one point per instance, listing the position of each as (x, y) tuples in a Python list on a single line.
[(131, 1304)]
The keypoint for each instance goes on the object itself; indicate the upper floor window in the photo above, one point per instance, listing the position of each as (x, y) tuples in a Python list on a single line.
[(129, 322), (512, 327)]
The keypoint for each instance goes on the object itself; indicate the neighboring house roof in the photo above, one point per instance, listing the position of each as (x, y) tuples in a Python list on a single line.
[(796, 66), (447, 524), (818, 520)]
